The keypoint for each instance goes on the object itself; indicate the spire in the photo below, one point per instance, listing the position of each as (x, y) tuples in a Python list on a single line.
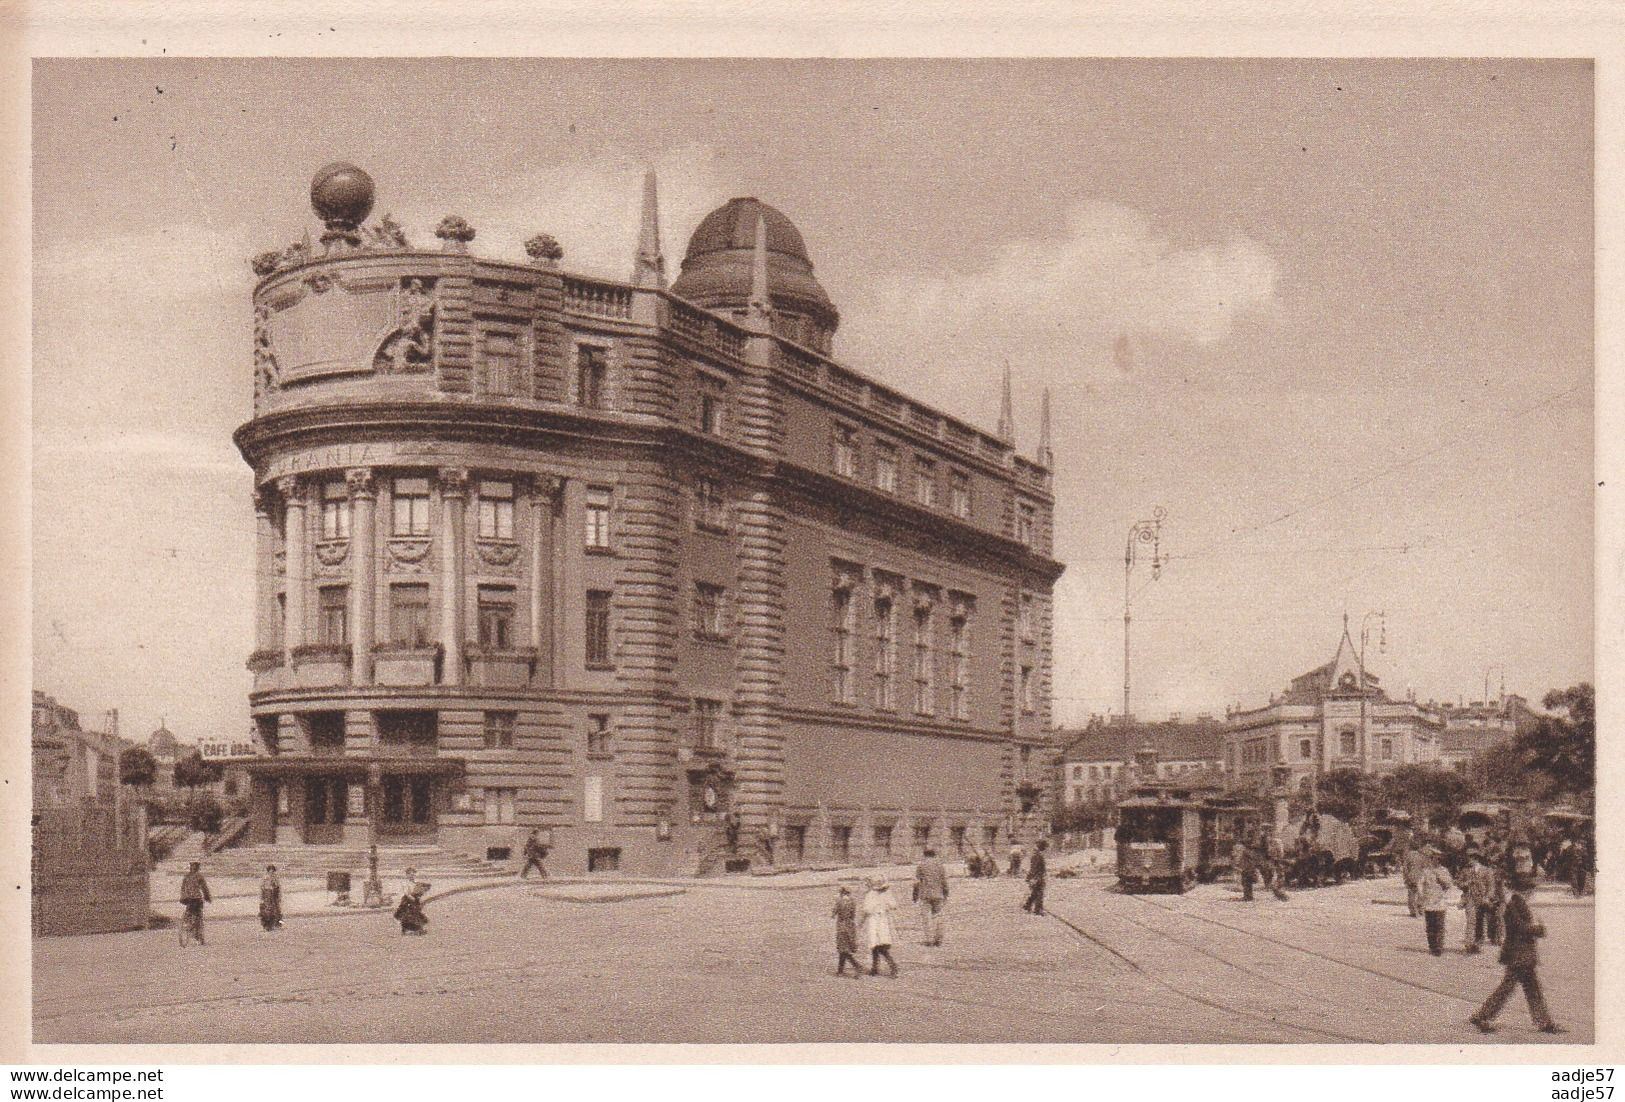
[(760, 306), (649, 266), (1046, 453), (1007, 420)]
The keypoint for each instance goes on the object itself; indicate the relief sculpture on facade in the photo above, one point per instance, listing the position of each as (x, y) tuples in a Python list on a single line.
[(410, 347)]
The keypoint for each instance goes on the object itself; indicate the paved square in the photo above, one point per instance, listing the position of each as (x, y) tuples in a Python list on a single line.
[(716, 962)]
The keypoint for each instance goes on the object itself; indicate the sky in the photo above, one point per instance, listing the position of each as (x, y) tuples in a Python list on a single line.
[(1334, 317)]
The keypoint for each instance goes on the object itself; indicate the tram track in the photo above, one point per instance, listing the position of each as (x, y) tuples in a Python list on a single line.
[(1328, 958)]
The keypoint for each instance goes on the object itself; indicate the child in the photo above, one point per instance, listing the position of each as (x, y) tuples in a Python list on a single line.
[(846, 933), (878, 927)]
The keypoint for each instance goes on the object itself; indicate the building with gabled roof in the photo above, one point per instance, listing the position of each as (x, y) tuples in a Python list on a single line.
[(1336, 716), (1104, 761)]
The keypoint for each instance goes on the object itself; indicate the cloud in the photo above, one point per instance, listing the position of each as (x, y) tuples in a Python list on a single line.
[(1091, 294)]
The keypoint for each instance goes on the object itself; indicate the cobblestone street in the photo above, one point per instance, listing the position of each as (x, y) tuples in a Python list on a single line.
[(624, 961)]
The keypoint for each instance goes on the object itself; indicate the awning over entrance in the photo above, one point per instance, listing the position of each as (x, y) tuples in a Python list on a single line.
[(353, 766)]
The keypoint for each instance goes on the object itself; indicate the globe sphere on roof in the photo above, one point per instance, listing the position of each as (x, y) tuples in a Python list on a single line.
[(717, 271), (162, 743), (342, 194)]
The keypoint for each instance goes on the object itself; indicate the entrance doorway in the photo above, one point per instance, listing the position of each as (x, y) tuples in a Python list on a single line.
[(409, 806), (325, 806)]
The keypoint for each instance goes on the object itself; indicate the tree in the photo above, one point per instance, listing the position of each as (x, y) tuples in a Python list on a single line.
[(1563, 745), (1426, 790), (1348, 794), (193, 770), (137, 766)]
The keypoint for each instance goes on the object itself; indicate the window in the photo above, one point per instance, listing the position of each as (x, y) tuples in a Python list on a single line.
[(841, 617), (959, 494), (710, 617), (795, 842), (925, 483), (499, 805), (885, 654), (846, 451), (406, 726), (841, 842), (598, 502), (332, 624), (1026, 522), (1024, 617), (1387, 749), (281, 620), (592, 802), (1347, 742), (325, 729), (707, 724), (711, 508), (959, 662), (925, 662), (496, 616), (1026, 689), (499, 358), (598, 736), (409, 614), (956, 839), (335, 511), (886, 468), (411, 506), (496, 510), (597, 627), (1094, 773), (592, 368), (922, 835), (713, 404), (1306, 748), (499, 730)]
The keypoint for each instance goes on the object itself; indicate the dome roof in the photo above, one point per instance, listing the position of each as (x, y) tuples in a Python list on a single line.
[(717, 267), (162, 742)]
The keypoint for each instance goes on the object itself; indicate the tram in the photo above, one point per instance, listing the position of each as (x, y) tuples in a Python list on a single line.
[(1169, 839)]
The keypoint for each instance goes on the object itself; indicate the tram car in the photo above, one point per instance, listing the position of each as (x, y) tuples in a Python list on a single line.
[(1168, 840)]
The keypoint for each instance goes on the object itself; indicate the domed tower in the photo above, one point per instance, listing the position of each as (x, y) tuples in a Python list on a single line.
[(162, 745), (717, 272)]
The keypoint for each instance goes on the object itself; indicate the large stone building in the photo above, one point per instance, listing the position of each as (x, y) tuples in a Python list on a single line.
[(1474, 727), (1336, 716), (1105, 760), (617, 561)]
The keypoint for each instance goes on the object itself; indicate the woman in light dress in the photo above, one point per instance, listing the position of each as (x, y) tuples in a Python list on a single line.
[(879, 928)]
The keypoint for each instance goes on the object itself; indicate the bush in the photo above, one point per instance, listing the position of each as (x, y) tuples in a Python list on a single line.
[(206, 815)]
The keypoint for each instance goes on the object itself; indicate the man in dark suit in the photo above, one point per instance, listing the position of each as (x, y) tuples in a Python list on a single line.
[(1519, 933), (1037, 873)]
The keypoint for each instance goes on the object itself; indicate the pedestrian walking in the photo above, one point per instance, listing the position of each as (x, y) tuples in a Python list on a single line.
[(535, 851), (1432, 889), (846, 933), (1411, 866), (879, 929), (931, 893), (271, 900), (1015, 859), (1037, 877), (1243, 857), (1477, 884), (1580, 869), (194, 894), (1276, 864), (1519, 954), (409, 911)]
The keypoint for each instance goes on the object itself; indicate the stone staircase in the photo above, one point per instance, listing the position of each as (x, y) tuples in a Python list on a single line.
[(296, 861)]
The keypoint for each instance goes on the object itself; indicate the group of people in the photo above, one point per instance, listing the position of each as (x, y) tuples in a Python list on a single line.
[(1259, 855), (876, 912)]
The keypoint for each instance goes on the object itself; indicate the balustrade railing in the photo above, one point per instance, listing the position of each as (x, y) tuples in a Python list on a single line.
[(604, 300)]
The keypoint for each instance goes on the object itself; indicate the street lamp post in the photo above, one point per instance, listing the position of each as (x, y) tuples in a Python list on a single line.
[(1143, 531), (1382, 645)]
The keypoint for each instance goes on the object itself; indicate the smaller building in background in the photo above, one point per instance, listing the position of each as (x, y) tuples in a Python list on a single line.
[(1104, 761), (1471, 729), (1336, 716), (89, 868)]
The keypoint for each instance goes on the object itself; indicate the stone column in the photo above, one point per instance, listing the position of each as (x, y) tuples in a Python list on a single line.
[(294, 564), (555, 562), (453, 502), (363, 572), (265, 625), (539, 509)]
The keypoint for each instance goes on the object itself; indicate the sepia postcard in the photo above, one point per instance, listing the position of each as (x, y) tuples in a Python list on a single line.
[(823, 551)]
